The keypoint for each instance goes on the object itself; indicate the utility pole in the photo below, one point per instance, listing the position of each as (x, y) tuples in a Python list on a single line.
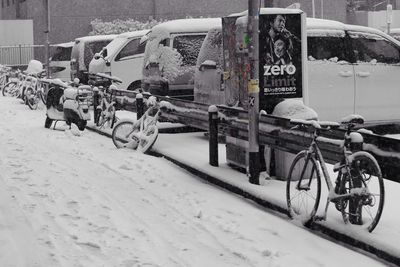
[(388, 15), (253, 89), (47, 32)]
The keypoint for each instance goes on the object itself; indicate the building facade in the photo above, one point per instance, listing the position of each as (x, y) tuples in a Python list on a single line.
[(70, 19)]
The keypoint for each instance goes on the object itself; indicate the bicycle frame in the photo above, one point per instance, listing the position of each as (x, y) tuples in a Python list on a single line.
[(314, 151)]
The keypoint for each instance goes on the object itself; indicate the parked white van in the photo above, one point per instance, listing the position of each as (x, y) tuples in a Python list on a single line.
[(123, 58), (351, 70), (83, 51), (395, 33), (60, 61), (170, 57)]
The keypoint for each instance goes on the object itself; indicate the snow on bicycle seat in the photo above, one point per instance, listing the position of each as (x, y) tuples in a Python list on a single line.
[(323, 125), (106, 76), (353, 118)]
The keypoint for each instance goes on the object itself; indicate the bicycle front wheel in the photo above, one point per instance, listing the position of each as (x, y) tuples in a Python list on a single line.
[(303, 188), (367, 193), (123, 135), (148, 138)]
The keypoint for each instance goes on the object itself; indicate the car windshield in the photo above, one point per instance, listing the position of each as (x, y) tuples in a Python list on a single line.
[(93, 47), (188, 46), (114, 46)]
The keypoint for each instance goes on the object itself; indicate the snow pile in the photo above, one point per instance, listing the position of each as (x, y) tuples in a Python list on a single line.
[(294, 109), (168, 59)]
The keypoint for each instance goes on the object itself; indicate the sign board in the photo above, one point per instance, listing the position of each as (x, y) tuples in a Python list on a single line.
[(282, 58)]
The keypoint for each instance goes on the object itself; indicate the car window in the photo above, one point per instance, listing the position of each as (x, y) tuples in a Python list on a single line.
[(61, 54), (370, 47), (188, 46), (327, 48), (131, 49)]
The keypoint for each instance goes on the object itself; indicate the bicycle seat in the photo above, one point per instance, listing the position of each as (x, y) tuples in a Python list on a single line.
[(313, 125)]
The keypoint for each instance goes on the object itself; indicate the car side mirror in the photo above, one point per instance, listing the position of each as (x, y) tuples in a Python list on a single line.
[(108, 64), (97, 56), (208, 65)]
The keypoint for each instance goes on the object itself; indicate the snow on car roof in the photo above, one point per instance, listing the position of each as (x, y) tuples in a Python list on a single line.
[(187, 25), (395, 31), (132, 34), (96, 37), (273, 10), (65, 45)]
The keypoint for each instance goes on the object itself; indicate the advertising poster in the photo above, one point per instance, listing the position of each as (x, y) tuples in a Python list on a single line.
[(280, 56)]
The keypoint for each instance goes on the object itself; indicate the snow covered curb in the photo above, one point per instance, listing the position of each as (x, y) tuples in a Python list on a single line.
[(226, 177)]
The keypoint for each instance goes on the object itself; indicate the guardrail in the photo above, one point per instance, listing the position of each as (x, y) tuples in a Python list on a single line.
[(274, 131)]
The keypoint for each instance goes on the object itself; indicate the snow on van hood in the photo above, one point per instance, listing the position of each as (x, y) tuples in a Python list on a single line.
[(169, 60)]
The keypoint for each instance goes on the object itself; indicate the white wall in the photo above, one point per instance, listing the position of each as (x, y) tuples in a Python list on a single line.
[(377, 19), (15, 32)]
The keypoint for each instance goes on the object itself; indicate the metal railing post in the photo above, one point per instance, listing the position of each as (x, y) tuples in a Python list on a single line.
[(213, 135), (139, 106)]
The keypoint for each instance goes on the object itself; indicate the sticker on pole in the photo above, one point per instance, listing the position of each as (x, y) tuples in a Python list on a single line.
[(253, 86)]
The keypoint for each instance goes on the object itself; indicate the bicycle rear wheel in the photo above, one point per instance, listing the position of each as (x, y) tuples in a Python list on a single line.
[(123, 135), (43, 89), (303, 188), (366, 185), (32, 99), (9, 88)]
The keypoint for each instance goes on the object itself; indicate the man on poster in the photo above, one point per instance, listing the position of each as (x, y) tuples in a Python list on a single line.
[(278, 31)]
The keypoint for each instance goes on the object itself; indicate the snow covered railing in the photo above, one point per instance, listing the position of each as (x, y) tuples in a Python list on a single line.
[(274, 131)]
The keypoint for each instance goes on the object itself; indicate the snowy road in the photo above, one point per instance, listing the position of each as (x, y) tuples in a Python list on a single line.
[(75, 200)]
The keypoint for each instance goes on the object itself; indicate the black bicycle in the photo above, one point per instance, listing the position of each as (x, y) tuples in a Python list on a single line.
[(358, 192)]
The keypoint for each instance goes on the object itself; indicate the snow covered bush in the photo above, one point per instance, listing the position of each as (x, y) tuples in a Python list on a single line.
[(117, 26)]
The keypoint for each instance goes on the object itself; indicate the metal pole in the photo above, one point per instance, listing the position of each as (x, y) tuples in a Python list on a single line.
[(388, 15), (47, 32), (313, 8), (253, 91), (322, 9)]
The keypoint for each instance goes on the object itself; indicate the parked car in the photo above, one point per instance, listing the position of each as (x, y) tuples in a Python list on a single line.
[(395, 33), (170, 56), (351, 70), (123, 58), (82, 53), (60, 61)]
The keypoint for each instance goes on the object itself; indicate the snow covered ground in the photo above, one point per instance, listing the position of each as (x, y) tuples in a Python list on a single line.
[(71, 199)]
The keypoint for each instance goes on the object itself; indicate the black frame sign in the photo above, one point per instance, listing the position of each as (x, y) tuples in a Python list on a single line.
[(282, 55)]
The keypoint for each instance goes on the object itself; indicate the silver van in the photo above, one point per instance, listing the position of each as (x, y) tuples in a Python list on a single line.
[(170, 56), (351, 70)]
